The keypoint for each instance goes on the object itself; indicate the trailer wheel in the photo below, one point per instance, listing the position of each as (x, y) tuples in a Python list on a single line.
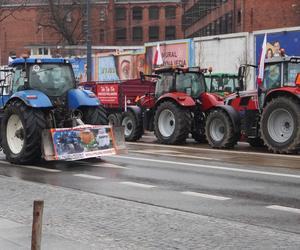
[(115, 119), (22, 133), (133, 126), (94, 115), (172, 123), (220, 131), (280, 124)]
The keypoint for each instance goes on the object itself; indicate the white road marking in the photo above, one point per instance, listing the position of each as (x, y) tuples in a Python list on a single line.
[(32, 167), (42, 169), (208, 196), (109, 165), (211, 167), (89, 176), (286, 209), (135, 184), (176, 155), (217, 150)]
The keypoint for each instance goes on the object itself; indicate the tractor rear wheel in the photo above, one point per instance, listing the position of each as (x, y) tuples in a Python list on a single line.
[(220, 130), (133, 126), (22, 133), (280, 124), (172, 123), (94, 115)]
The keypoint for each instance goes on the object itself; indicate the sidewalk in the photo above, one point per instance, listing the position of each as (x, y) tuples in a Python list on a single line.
[(77, 220), (15, 236)]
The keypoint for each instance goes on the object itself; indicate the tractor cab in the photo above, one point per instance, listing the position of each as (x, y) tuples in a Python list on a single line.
[(280, 72), (184, 80), (54, 77)]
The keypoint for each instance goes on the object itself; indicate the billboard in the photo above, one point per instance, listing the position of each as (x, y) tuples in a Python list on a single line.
[(174, 53), (276, 40)]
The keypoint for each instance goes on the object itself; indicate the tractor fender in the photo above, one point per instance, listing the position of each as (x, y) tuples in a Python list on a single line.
[(136, 110), (233, 114), (285, 91), (32, 98), (78, 98), (182, 99)]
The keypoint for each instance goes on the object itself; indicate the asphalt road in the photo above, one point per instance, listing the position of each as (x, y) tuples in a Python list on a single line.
[(242, 185)]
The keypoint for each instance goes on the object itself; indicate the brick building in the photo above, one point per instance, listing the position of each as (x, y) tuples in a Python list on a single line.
[(213, 17), (113, 22)]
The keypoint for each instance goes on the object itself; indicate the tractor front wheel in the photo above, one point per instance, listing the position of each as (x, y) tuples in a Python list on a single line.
[(22, 132), (220, 130), (280, 124), (172, 123)]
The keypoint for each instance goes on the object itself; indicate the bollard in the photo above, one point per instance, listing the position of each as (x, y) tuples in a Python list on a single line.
[(36, 238)]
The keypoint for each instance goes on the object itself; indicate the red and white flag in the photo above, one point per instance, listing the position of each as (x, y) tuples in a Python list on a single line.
[(261, 67), (157, 57)]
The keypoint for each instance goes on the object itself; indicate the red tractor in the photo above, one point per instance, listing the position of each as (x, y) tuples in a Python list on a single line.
[(269, 116), (176, 109)]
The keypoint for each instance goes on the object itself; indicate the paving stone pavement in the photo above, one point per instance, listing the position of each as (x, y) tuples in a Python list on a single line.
[(78, 220)]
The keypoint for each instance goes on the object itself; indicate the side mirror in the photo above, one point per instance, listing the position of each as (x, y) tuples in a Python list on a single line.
[(142, 75), (237, 89)]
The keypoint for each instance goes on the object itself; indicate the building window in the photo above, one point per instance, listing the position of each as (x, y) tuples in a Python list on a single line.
[(121, 34), (153, 13), (102, 15), (101, 35), (239, 17), (170, 12), (120, 13), (137, 13), (153, 32), (69, 17), (137, 33), (170, 32)]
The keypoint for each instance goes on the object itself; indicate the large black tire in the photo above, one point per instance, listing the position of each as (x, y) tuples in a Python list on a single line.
[(280, 123), (172, 123), (94, 115), (219, 130), (133, 126), (22, 132), (115, 119)]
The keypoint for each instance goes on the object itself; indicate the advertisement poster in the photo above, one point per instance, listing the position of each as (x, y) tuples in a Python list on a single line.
[(179, 53), (82, 142), (289, 41), (119, 67), (108, 93), (80, 68), (107, 69)]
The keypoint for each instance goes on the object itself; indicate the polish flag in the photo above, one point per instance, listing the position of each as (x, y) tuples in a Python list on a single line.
[(261, 67), (157, 57)]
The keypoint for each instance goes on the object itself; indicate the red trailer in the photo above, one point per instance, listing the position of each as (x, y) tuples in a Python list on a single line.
[(115, 96)]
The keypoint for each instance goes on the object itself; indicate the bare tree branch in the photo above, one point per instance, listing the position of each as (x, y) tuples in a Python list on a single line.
[(8, 8), (63, 17)]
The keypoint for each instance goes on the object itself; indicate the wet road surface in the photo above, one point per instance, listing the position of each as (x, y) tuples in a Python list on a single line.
[(244, 185)]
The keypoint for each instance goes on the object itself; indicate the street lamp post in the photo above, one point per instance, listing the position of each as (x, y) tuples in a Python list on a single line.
[(88, 43)]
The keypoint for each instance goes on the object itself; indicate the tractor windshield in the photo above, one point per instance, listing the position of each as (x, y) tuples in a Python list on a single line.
[(290, 72), (272, 76), (52, 79), (221, 84), (164, 84), (191, 83)]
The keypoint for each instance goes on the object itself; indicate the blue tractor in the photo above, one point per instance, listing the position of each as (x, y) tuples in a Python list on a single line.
[(37, 95)]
